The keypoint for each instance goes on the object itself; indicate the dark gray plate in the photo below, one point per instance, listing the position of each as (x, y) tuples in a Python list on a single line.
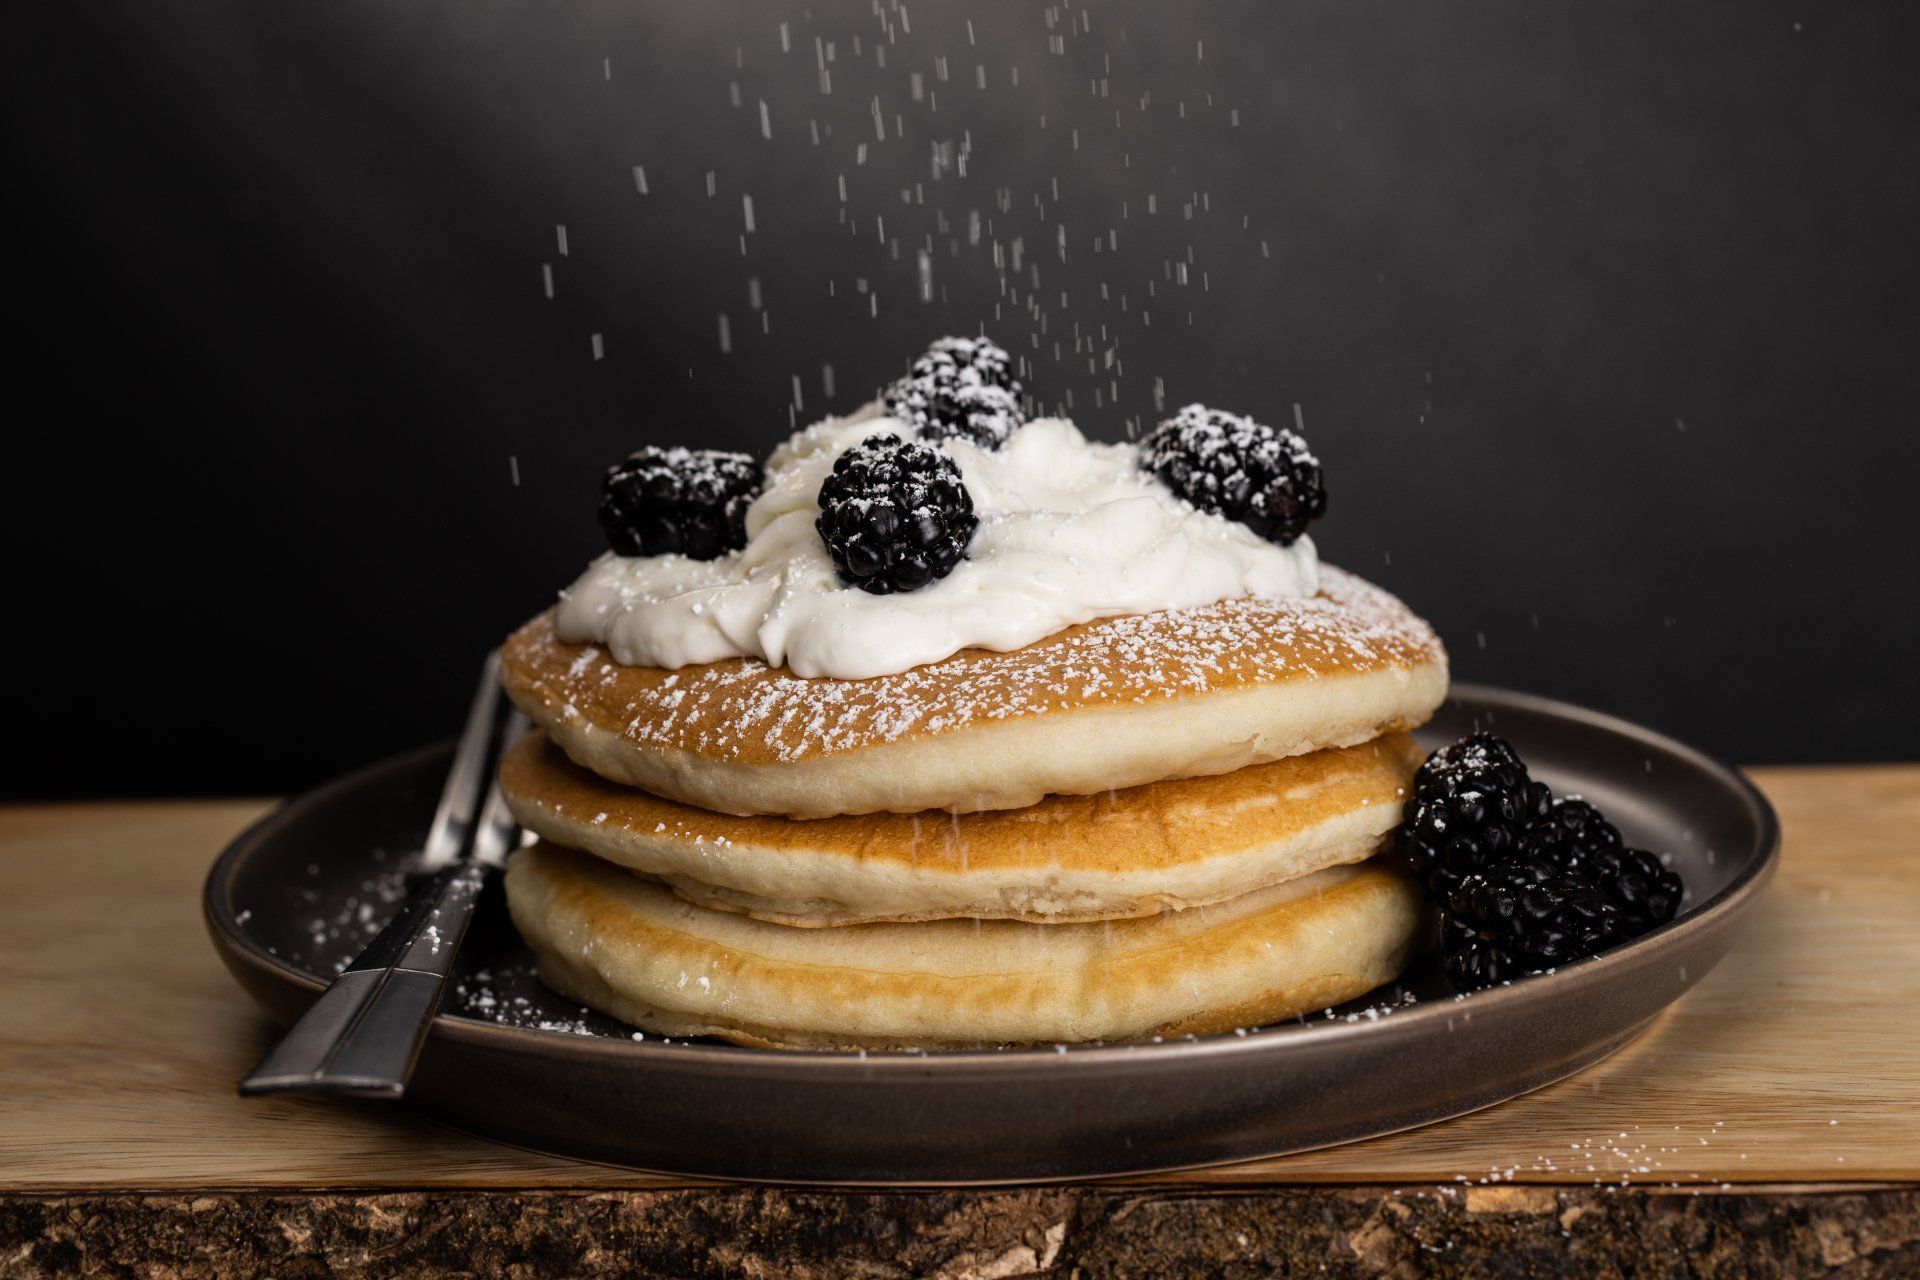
[(295, 896)]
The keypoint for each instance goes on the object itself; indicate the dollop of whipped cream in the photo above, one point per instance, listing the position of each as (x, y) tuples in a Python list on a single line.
[(1070, 530)]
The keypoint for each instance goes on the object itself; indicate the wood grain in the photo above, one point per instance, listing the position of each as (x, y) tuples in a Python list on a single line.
[(1797, 1061)]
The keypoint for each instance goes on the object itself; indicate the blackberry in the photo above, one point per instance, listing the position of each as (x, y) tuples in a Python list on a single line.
[(1637, 885), (1262, 476), (1473, 804), (894, 515), (1477, 753), (961, 387), (1510, 920), (1525, 882), (1571, 833), (983, 358), (690, 502)]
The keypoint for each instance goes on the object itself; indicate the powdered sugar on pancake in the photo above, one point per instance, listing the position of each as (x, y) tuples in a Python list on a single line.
[(1070, 531), (741, 708)]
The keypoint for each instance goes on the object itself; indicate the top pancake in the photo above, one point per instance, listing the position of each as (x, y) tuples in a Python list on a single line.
[(1115, 703)]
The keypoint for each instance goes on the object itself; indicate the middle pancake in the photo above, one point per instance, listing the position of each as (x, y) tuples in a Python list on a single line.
[(1116, 855)]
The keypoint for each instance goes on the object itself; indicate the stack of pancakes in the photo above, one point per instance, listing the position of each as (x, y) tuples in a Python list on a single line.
[(1146, 825)]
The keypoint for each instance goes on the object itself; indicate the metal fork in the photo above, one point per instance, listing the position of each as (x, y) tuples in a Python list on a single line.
[(364, 1034)]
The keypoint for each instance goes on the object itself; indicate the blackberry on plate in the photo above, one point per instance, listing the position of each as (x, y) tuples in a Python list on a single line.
[(961, 387), (1477, 753), (1507, 922), (1262, 476), (1472, 805), (690, 502), (894, 515), (1637, 885), (1525, 881), (1572, 832)]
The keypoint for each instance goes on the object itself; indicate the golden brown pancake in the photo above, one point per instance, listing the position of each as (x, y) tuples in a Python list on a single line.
[(1166, 845), (1109, 704), (626, 946)]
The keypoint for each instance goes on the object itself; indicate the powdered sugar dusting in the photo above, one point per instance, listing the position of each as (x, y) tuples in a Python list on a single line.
[(1065, 531), (741, 709)]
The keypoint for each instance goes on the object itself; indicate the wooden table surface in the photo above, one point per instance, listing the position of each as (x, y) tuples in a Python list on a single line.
[(1795, 1064)]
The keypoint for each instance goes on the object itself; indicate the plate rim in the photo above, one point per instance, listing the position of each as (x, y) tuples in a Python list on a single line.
[(1409, 1021)]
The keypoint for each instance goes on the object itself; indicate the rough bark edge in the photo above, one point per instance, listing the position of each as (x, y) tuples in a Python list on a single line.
[(1090, 1232)]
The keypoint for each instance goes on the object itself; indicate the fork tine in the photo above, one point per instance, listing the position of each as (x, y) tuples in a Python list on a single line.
[(498, 832), (453, 820)]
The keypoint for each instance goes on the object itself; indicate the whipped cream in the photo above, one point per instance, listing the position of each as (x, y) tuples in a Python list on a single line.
[(1070, 531)]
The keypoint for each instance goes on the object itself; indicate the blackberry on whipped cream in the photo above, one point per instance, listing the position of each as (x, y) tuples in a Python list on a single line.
[(1070, 530), (1262, 476), (961, 388), (689, 502), (894, 515)]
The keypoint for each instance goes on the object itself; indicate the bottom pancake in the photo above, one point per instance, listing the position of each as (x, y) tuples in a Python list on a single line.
[(628, 947)]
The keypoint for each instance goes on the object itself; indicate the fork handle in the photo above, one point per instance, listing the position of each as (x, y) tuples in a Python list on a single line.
[(364, 1034)]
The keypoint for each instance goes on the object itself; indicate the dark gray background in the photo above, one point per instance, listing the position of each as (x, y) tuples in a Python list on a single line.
[(1601, 317)]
